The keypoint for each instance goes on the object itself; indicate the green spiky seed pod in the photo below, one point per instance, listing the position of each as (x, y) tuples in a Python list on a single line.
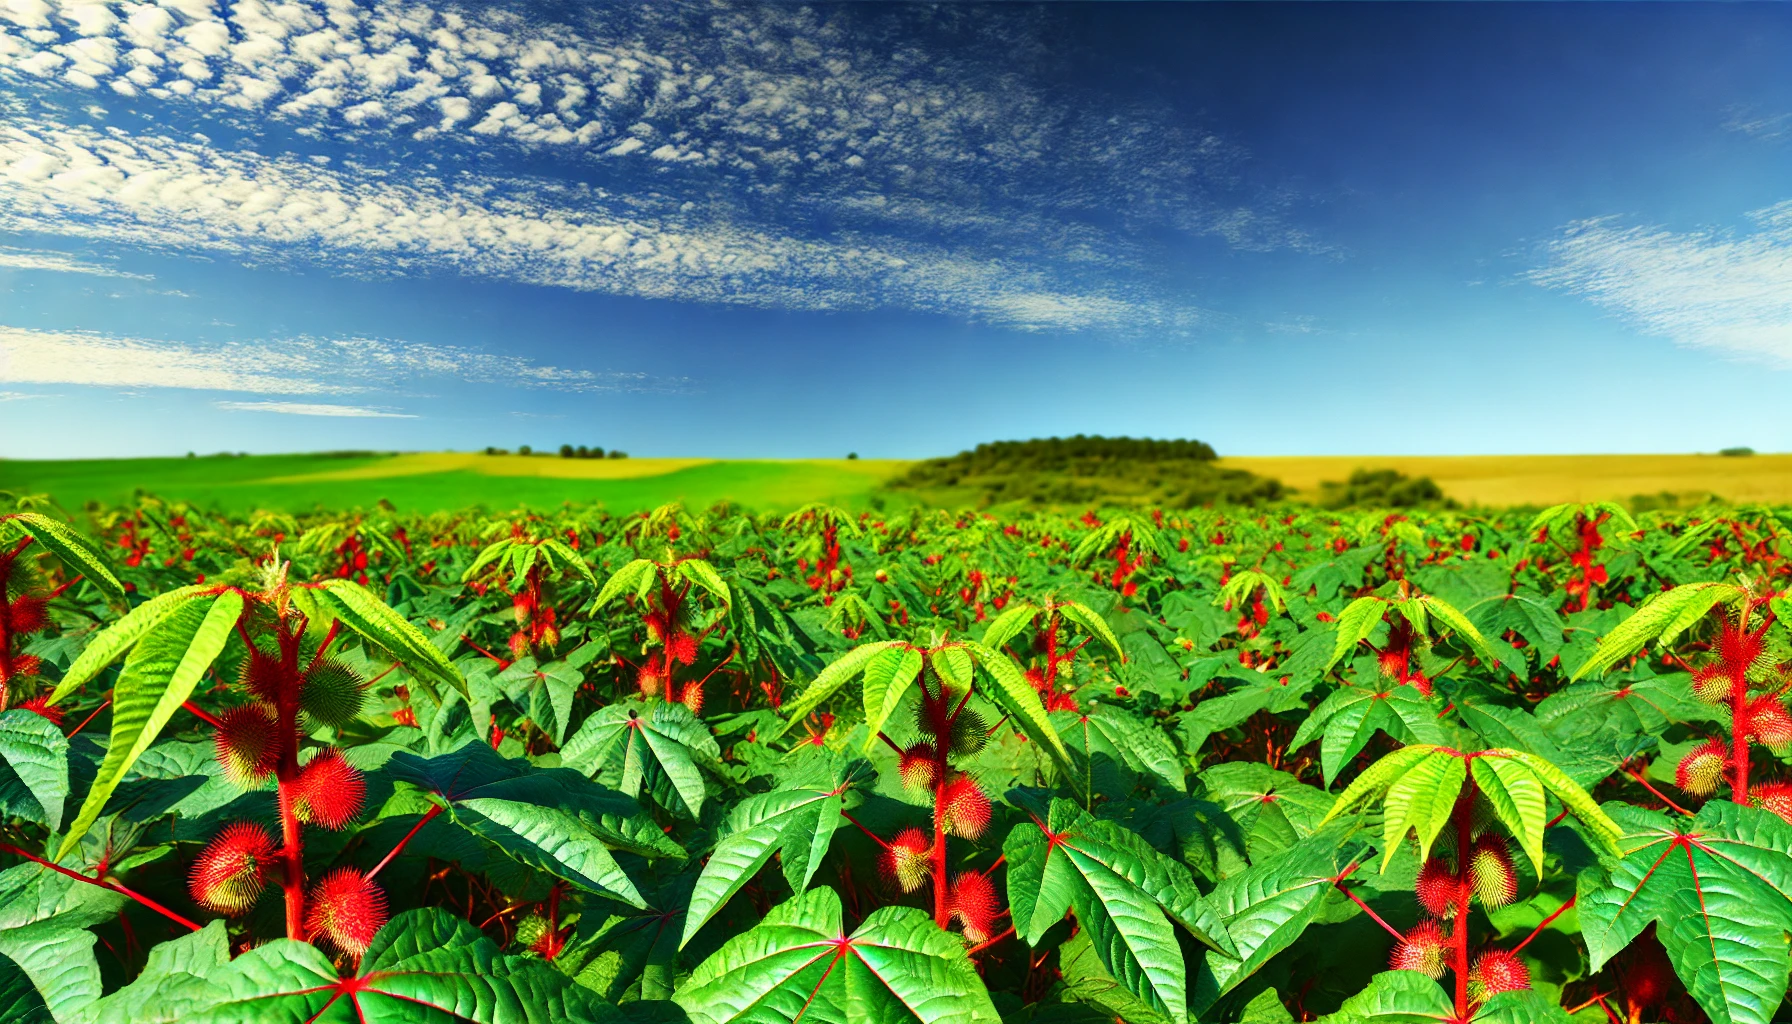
[(1490, 872), (248, 744), (529, 931), (968, 733), (331, 693)]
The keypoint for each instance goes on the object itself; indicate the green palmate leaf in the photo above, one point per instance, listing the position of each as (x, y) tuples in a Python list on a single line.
[(44, 922), (1718, 893), (172, 984), (1009, 624), (73, 549), (552, 820), (1119, 889), (658, 746), (1245, 582), (1518, 799), (425, 967), (1267, 907), (795, 822), (158, 676), (112, 643), (635, 577), (800, 962), (356, 607), (830, 679), (33, 768), (19, 1001), (560, 552), (1379, 776), (887, 678), (1421, 800), (1092, 622), (704, 575), (1464, 629), (1397, 997), (1101, 737), (1016, 697), (1355, 623), (1565, 789), (1349, 718), (1661, 618)]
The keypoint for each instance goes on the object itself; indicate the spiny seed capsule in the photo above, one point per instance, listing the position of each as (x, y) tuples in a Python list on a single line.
[(905, 860), (530, 931), (1702, 769), (1768, 721), (231, 872), (1438, 888), (247, 744), (1496, 971), (1775, 797), (1490, 872), (331, 693), (1424, 950), (347, 908), (329, 791), (264, 675), (968, 733), (916, 768), (1711, 684), (964, 809), (972, 901)]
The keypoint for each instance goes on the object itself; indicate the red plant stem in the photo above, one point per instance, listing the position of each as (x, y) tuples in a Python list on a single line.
[(992, 940), (428, 816), (874, 836), (1739, 731), (96, 713), (942, 733), (203, 715), (1659, 795), (1572, 1010), (102, 883), (1459, 934), (1546, 922), (292, 851), (1373, 916)]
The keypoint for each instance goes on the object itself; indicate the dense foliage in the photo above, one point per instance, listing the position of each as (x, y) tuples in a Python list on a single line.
[(1255, 766), (1080, 470)]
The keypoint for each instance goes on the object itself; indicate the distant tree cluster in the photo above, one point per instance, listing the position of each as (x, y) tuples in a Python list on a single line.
[(1080, 470), (1383, 488), (567, 451)]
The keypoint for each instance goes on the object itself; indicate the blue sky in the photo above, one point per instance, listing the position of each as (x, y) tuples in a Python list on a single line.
[(781, 231)]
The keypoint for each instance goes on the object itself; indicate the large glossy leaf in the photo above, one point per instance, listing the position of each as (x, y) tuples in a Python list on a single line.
[(158, 676), (1119, 889), (1397, 997), (1355, 623), (1015, 696), (1272, 810), (888, 676), (425, 967), (19, 1001), (658, 746), (635, 577), (172, 984), (1661, 618), (44, 917), (554, 820), (800, 963), (374, 621), (33, 768), (1348, 719), (118, 638), (1719, 891), (838, 672), (1267, 907), (1101, 737), (796, 822), (70, 546)]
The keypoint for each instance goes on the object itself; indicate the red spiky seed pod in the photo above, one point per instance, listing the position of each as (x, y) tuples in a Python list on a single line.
[(682, 648), (263, 675), (1425, 949), (1768, 721), (1438, 888), (651, 676), (916, 766), (1703, 767), (1738, 647), (905, 861), (231, 872), (1711, 684), (28, 614), (692, 697), (329, 791), (1490, 872), (1496, 971), (963, 808), (972, 901), (347, 908), (331, 693), (40, 706), (247, 744), (1775, 797)]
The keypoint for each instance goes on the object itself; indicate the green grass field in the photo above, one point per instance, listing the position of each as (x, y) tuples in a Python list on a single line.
[(429, 481), (432, 481)]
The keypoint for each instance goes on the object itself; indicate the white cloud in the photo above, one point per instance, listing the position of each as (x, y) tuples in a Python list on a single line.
[(41, 259), (314, 409), (19, 396), (1717, 289), (288, 366), (155, 190)]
